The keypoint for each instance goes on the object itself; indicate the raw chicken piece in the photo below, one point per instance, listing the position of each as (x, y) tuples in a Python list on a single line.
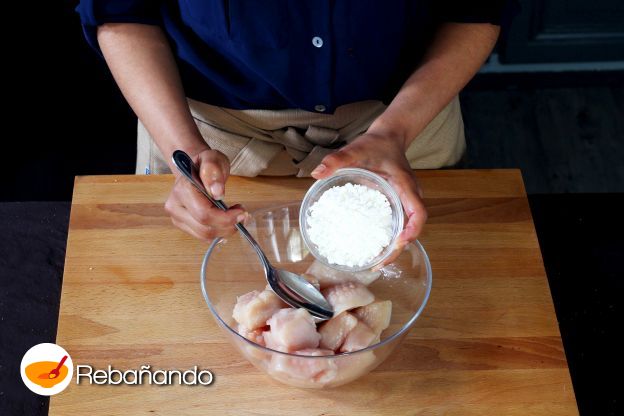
[(308, 371), (349, 295), (270, 341), (359, 338), (253, 335), (334, 331), (353, 366), (314, 352), (291, 330), (328, 276), (253, 309), (375, 315)]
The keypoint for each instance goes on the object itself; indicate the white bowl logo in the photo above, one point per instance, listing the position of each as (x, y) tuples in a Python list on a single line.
[(47, 369)]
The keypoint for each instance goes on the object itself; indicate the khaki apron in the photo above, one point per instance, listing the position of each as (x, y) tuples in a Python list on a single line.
[(293, 142)]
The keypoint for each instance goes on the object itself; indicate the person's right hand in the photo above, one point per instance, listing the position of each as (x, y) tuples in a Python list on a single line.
[(192, 212)]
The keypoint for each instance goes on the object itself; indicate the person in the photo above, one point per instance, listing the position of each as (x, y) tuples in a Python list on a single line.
[(280, 87)]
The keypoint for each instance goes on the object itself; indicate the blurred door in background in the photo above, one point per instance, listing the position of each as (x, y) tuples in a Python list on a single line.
[(548, 31)]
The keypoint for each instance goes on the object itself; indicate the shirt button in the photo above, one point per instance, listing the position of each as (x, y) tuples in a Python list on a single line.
[(316, 41), (319, 107)]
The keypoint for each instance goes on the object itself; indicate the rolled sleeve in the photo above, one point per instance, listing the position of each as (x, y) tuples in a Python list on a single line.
[(94, 13), (495, 12)]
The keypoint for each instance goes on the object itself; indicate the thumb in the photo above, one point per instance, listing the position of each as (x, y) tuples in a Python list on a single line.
[(332, 162), (214, 169)]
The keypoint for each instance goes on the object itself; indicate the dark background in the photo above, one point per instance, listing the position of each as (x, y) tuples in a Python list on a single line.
[(550, 101)]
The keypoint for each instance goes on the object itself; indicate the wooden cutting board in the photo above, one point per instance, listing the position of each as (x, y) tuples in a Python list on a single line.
[(487, 343)]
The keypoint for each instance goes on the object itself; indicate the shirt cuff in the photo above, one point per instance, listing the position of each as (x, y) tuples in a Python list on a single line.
[(94, 13), (495, 12)]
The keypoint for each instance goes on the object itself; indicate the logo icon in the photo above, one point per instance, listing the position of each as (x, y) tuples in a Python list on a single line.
[(46, 369)]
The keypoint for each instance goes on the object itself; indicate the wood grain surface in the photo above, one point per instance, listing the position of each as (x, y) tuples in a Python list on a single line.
[(487, 343)]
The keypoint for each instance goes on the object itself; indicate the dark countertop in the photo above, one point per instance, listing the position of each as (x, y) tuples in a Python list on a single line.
[(582, 242), (32, 254)]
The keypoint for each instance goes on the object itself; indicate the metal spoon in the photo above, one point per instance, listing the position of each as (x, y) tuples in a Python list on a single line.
[(292, 288)]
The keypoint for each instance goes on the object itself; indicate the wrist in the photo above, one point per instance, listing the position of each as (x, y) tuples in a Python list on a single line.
[(191, 146), (390, 129), (194, 150)]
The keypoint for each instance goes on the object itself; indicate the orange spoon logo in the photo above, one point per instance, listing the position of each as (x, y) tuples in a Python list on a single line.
[(46, 369)]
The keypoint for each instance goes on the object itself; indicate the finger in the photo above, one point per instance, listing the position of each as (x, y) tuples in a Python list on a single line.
[(214, 169), (409, 234), (245, 218), (182, 219), (414, 227), (191, 231), (204, 212), (332, 162), (408, 191)]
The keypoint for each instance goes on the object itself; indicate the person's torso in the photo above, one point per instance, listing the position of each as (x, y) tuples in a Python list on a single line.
[(309, 54)]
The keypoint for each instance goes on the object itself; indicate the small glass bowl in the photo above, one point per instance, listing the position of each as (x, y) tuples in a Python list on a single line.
[(231, 268), (360, 177)]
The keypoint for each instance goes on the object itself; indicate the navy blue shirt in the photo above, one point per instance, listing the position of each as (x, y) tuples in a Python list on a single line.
[(275, 54)]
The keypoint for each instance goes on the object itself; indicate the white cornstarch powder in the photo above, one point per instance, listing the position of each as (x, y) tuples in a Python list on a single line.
[(350, 224)]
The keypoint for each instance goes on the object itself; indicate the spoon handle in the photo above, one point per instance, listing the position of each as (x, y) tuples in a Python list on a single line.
[(58, 367), (185, 165)]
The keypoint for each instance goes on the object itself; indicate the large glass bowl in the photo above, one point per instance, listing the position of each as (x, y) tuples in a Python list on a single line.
[(231, 268)]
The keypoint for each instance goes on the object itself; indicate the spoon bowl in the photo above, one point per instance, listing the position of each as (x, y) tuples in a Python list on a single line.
[(56, 371)]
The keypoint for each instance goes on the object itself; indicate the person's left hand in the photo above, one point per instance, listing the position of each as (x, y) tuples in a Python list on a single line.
[(384, 155)]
